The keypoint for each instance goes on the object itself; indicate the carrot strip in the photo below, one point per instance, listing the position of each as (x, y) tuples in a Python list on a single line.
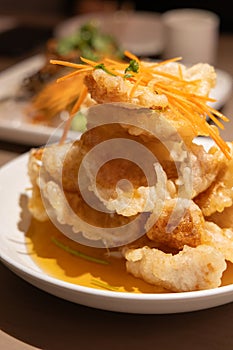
[(134, 88), (219, 141), (118, 63), (131, 56), (89, 62), (82, 96), (210, 131), (168, 61), (218, 114), (203, 107), (70, 75), (180, 72), (68, 64)]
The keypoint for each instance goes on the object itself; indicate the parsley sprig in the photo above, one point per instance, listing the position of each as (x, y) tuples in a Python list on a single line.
[(103, 67), (132, 67), (78, 253)]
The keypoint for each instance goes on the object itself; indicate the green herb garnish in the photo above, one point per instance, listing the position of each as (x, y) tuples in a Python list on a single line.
[(89, 42), (79, 122), (103, 285), (132, 67), (127, 76), (102, 66), (78, 253)]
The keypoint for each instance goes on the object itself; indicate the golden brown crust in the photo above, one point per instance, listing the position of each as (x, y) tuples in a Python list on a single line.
[(187, 232)]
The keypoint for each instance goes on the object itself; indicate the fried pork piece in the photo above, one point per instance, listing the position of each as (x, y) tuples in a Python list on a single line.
[(59, 177), (61, 165), (192, 269), (219, 238), (107, 88), (165, 151), (62, 162), (172, 147), (112, 159), (205, 167), (129, 201), (219, 194), (180, 223), (205, 74), (35, 204), (52, 158), (70, 209), (55, 191), (223, 219)]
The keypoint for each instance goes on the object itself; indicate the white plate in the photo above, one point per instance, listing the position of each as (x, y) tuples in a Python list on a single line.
[(138, 32), (223, 89), (13, 182), (15, 126)]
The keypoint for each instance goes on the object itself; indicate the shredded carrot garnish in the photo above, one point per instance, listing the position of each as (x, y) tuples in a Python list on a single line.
[(80, 100), (218, 114), (68, 64), (131, 56), (70, 75), (180, 72), (134, 88), (89, 62), (182, 100), (82, 96), (162, 63)]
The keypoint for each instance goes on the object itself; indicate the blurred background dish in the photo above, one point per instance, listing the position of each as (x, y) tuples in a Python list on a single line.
[(192, 34), (223, 89), (33, 81), (139, 32)]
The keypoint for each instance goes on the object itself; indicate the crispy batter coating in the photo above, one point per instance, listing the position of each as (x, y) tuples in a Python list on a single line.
[(104, 87), (205, 168), (223, 219), (220, 238), (127, 199), (69, 208), (219, 194), (53, 159), (57, 188), (187, 231), (35, 203), (191, 269)]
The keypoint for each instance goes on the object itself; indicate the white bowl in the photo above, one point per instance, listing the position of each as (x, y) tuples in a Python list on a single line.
[(138, 32)]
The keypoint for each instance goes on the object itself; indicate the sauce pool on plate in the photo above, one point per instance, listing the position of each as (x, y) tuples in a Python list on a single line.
[(59, 257)]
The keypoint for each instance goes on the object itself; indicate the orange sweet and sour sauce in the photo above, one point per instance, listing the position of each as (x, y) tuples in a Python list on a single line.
[(111, 275)]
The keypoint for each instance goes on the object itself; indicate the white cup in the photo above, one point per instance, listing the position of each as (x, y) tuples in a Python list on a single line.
[(191, 34)]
